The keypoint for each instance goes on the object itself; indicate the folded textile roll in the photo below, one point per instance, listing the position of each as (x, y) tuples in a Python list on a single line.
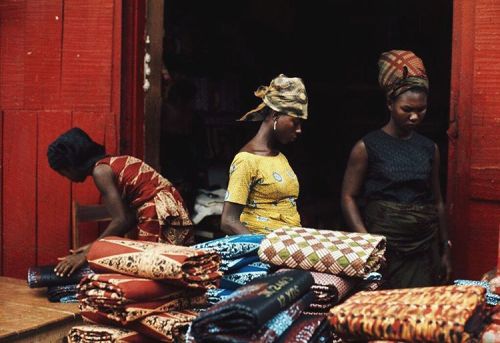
[(328, 290), (251, 306), (100, 333), (165, 327), (244, 275), (309, 329), (62, 293), (176, 264), (124, 299), (234, 249), (333, 252), (215, 295), (491, 298), (428, 314), (45, 276)]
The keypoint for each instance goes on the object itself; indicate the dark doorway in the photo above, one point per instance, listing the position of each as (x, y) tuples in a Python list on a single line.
[(218, 53)]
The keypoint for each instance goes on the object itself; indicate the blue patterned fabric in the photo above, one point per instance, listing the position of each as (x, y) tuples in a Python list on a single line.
[(244, 275), (214, 295), (63, 294), (236, 251), (491, 298)]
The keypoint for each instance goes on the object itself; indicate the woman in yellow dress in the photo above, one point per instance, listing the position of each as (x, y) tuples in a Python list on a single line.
[(263, 189)]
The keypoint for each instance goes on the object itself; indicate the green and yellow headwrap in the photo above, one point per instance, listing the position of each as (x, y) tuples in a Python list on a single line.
[(285, 95)]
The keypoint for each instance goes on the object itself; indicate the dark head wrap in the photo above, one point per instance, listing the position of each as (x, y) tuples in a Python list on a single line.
[(401, 70), (74, 149)]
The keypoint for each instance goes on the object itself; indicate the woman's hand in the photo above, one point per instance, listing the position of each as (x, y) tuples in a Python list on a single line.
[(69, 264)]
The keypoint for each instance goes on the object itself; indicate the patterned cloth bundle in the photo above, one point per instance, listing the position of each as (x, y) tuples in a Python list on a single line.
[(240, 262), (428, 314), (309, 328), (45, 276), (63, 294), (59, 288), (167, 326), (124, 299), (491, 334), (180, 265), (333, 252), (260, 311), (491, 298), (104, 334), (215, 295), (328, 290)]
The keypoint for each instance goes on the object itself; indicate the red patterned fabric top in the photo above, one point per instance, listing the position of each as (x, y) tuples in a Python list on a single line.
[(136, 181)]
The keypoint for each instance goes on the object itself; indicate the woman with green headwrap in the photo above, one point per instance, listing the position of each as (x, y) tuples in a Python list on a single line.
[(395, 171), (263, 189)]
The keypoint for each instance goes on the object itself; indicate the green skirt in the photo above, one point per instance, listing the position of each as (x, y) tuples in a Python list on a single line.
[(412, 241)]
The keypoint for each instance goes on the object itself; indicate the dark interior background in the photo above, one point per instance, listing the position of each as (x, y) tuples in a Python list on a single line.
[(217, 53)]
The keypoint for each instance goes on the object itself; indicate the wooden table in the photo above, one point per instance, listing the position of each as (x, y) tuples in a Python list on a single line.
[(27, 316)]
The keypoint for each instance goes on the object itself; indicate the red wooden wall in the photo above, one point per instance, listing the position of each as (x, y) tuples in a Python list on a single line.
[(59, 67), (474, 167)]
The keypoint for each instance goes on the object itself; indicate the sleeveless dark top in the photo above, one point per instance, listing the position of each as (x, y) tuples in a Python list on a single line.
[(399, 170)]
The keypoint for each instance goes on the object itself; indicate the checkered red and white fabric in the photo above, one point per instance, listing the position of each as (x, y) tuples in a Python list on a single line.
[(333, 252)]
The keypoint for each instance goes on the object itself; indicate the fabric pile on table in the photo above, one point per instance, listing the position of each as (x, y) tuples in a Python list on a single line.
[(261, 311), (148, 289), (240, 262)]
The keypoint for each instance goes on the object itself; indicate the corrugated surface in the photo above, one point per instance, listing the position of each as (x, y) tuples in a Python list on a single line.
[(59, 67), (474, 167)]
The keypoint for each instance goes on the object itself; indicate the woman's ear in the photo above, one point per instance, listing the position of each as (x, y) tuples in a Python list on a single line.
[(390, 104)]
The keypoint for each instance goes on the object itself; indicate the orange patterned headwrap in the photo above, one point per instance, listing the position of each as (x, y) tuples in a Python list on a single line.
[(399, 71)]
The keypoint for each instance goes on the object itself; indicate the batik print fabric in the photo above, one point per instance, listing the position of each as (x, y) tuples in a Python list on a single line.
[(214, 295), (247, 310), (427, 314), (63, 294), (158, 204), (491, 334), (104, 334), (244, 275), (328, 290), (309, 329), (334, 252), (167, 326), (176, 264), (124, 299), (491, 298), (236, 251), (45, 276)]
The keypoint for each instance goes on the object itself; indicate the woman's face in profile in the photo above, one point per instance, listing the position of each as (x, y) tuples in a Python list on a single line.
[(288, 128), (72, 174)]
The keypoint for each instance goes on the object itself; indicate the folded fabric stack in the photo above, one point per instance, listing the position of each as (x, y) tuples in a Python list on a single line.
[(149, 288), (339, 253), (178, 265), (100, 333), (261, 311), (59, 288), (208, 203), (427, 314), (121, 299), (309, 328), (328, 291), (240, 262)]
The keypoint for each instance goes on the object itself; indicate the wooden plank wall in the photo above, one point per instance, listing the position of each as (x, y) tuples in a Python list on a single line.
[(474, 170), (59, 68)]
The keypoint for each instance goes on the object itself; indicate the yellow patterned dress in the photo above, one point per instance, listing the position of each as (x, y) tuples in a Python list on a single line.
[(268, 188)]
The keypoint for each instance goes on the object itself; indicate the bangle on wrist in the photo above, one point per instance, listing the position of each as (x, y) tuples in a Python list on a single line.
[(446, 244)]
